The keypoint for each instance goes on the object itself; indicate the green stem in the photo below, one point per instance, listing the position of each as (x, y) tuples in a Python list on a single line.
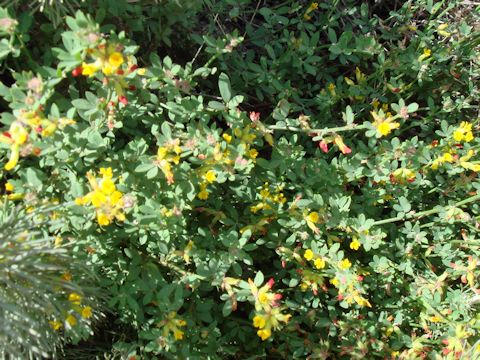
[(426, 212), (318, 132)]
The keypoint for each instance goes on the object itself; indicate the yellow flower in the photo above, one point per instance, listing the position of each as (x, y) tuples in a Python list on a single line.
[(141, 71), (441, 30), (426, 54), (71, 320), (334, 282), (13, 161), (308, 254), (259, 321), (55, 324), (98, 199), (115, 59), (89, 69), (102, 219), (313, 217), (253, 153), (74, 298), (86, 312), (355, 244), (264, 334), (345, 264), (9, 187), (178, 334), (227, 138), (383, 125), (463, 132), (319, 263), (210, 176), (203, 194), (107, 186)]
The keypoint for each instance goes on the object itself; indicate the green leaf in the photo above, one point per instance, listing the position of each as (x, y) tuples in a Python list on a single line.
[(258, 279), (225, 88)]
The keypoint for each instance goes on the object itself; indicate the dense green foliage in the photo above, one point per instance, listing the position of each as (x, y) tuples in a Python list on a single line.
[(250, 179)]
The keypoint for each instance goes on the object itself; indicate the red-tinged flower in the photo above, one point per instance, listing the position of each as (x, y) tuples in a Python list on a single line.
[(123, 100), (77, 71), (341, 145), (254, 116), (323, 146), (270, 283)]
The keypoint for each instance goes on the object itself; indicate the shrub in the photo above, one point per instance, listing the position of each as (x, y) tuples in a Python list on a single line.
[(309, 191)]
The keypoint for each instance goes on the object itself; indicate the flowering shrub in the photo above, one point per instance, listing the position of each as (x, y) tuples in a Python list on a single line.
[(307, 189)]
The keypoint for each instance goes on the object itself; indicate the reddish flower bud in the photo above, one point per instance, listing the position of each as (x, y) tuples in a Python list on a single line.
[(270, 283), (77, 71), (120, 72), (38, 129), (284, 264), (7, 134), (132, 88), (254, 116), (123, 100), (133, 67), (360, 278), (37, 151), (111, 104), (323, 146), (339, 297)]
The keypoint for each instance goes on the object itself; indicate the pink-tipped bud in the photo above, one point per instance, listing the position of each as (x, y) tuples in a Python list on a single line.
[(254, 116), (270, 283), (323, 146), (123, 100)]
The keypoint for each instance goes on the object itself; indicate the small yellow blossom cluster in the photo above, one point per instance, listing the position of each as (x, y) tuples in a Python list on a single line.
[(376, 105), (384, 123), (441, 30), (313, 6), (268, 314), (166, 156), (463, 132), (76, 303), (457, 344), (348, 287), (19, 132), (359, 76), (107, 58), (463, 161), (209, 177), (402, 176), (105, 198), (311, 280), (246, 137), (172, 325), (318, 261), (268, 198)]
